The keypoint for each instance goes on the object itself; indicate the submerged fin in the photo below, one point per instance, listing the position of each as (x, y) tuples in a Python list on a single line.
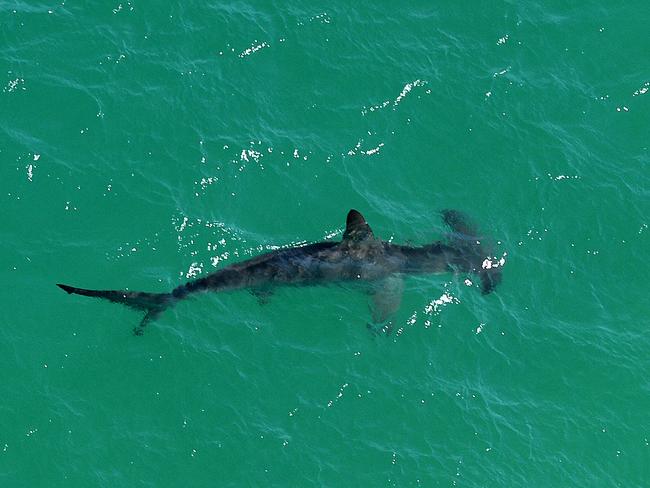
[(148, 317), (356, 228), (151, 303), (460, 224), (263, 294), (386, 299), (477, 250)]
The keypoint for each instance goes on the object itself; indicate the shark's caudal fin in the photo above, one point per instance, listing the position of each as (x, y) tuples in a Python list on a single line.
[(151, 303), (477, 248)]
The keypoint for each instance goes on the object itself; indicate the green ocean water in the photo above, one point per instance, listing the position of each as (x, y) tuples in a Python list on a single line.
[(144, 143)]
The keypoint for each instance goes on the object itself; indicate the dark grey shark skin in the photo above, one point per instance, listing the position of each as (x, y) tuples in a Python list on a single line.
[(359, 256)]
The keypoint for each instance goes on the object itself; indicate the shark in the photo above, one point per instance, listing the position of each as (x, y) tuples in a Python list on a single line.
[(359, 256)]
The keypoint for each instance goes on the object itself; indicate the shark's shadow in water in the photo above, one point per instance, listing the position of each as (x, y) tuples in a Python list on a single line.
[(359, 256)]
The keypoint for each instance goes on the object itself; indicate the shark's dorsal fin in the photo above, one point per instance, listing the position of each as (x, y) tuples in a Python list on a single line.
[(356, 228)]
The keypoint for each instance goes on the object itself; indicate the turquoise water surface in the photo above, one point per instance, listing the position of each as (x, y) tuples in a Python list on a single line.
[(146, 143)]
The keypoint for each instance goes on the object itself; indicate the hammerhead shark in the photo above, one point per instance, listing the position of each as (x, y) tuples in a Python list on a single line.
[(359, 256)]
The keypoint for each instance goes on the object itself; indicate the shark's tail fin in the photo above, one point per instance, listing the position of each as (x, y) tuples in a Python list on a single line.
[(477, 250), (151, 303)]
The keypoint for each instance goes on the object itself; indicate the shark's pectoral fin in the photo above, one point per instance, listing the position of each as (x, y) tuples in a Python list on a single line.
[(262, 294), (459, 223), (386, 299)]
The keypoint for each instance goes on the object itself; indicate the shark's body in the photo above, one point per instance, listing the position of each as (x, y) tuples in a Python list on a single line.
[(359, 256)]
